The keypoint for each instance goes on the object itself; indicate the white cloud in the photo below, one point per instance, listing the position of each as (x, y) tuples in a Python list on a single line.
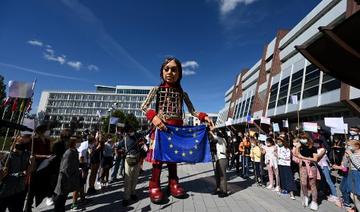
[(188, 72), (189, 67), (75, 64), (190, 64), (93, 67), (50, 55), (227, 6), (35, 43)]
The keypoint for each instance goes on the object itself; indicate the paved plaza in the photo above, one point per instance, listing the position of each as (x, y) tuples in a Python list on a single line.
[(198, 180)]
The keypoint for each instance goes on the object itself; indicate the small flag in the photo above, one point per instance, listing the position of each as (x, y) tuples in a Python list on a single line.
[(15, 105), (98, 113), (294, 99), (114, 120), (22, 105), (285, 123), (265, 120), (6, 101), (249, 119), (19, 89), (28, 106)]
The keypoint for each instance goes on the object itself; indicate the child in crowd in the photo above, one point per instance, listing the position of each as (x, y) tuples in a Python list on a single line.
[(271, 161), (255, 155), (287, 182)]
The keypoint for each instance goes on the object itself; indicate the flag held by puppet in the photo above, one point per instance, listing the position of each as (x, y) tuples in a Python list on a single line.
[(182, 144)]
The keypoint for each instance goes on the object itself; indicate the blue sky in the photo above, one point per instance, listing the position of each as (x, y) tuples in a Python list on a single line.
[(72, 45)]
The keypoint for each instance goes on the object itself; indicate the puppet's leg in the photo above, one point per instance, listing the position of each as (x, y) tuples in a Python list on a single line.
[(155, 193), (174, 187)]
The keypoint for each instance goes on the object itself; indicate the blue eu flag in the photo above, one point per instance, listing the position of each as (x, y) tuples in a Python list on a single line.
[(182, 144)]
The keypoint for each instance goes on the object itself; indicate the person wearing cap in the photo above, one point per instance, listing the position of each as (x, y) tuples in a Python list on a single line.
[(69, 176), (132, 164), (221, 163), (16, 165)]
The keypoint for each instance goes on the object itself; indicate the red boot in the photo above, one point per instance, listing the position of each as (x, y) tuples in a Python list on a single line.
[(155, 193), (175, 189)]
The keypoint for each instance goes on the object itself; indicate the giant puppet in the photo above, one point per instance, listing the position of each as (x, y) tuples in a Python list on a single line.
[(169, 98)]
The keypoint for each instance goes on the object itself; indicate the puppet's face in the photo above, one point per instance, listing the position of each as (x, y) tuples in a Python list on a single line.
[(170, 73)]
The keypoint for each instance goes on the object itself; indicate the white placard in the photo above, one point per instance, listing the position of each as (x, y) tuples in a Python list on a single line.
[(342, 130), (265, 120), (334, 122), (285, 123), (262, 137), (310, 126), (276, 127)]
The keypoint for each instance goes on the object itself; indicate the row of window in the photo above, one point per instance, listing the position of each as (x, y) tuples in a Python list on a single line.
[(97, 97), (311, 86), (89, 112), (92, 104), (132, 91), (243, 108)]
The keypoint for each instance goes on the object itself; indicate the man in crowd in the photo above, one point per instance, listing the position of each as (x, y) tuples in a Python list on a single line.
[(15, 167), (221, 163)]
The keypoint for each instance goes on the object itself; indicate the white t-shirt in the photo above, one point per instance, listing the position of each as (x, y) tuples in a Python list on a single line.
[(284, 156)]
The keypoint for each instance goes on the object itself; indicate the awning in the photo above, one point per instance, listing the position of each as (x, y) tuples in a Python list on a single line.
[(337, 50)]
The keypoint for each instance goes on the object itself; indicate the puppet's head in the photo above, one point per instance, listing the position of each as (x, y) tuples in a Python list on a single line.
[(171, 71)]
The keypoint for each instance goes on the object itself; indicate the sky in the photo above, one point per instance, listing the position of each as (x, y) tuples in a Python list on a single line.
[(73, 45)]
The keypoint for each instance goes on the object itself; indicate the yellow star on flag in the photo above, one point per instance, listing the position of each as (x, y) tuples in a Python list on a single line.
[(183, 154), (190, 152), (197, 141), (171, 145), (169, 138), (176, 151)]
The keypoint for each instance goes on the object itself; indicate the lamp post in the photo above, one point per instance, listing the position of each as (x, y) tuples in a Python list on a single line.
[(109, 111)]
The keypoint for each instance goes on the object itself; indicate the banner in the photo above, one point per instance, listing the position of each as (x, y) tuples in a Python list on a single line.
[(310, 126), (114, 120), (262, 137), (276, 127), (294, 99), (19, 89), (342, 130), (285, 123), (265, 120), (334, 122), (182, 144)]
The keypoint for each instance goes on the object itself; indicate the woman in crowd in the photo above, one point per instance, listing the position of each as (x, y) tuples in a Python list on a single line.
[(106, 161), (271, 162), (287, 182), (323, 162), (351, 180), (308, 170)]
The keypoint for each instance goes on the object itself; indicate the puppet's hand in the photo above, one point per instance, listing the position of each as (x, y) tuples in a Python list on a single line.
[(211, 123), (156, 121)]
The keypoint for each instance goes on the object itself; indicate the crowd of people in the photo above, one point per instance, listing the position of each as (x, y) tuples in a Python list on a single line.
[(41, 168), (310, 165), (292, 163)]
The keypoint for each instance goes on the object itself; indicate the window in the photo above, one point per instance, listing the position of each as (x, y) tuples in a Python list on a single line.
[(296, 83), (283, 91), (312, 78), (329, 83), (273, 94)]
